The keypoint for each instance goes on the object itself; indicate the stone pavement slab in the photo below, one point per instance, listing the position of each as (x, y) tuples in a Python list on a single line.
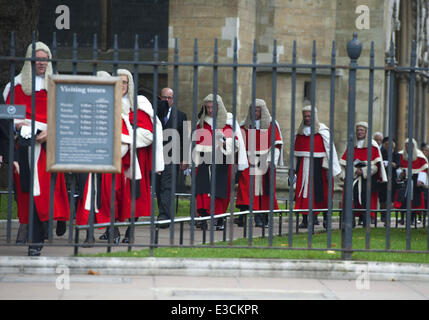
[(90, 287)]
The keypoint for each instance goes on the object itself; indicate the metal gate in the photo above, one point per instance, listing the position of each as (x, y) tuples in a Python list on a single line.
[(279, 220)]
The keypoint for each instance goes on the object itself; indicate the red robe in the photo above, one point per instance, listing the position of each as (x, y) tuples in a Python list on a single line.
[(61, 202), (122, 195), (204, 141), (376, 159), (143, 201), (262, 145), (103, 214), (302, 150), (418, 165)]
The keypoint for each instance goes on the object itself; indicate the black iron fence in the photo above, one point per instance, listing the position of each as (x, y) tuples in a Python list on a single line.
[(281, 222)]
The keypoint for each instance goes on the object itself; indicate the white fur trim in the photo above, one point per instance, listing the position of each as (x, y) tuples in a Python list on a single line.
[(243, 164), (307, 154), (88, 194), (144, 105)]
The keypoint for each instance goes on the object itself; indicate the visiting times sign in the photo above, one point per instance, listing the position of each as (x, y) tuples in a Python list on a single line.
[(84, 121)]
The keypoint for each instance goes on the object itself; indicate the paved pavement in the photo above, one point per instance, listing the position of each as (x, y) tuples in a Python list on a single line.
[(89, 287)]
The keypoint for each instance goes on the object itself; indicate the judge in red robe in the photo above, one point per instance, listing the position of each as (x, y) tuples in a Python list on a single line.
[(320, 165), (144, 153), (41, 188), (123, 201), (103, 186), (360, 161), (224, 157), (259, 156), (419, 166)]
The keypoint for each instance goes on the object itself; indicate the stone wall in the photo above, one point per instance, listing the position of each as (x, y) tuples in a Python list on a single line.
[(206, 21), (286, 21)]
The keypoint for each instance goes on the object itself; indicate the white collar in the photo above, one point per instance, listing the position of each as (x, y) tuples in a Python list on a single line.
[(209, 120), (126, 107), (258, 124), (40, 83), (307, 130), (360, 143)]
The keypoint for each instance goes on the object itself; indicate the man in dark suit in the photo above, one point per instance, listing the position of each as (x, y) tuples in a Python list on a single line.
[(382, 187), (173, 153)]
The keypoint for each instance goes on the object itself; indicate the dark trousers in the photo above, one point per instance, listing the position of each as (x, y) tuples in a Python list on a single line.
[(164, 192), (39, 231)]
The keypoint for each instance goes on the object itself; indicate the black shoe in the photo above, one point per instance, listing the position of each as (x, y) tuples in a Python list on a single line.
[(258, 221), (316, 220), (61, 228), (265, 220), (88, 243), (126, 239), (163, 225), (259, 224), (220, 225), (105, 235), (325, 220), (34, 252), (303, 225), (201, 225), (116, 235)]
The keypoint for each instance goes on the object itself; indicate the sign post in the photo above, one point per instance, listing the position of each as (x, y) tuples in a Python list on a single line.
[(84, 121), (12, 111)]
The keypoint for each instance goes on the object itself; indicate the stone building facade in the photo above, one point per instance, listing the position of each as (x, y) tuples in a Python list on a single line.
[(260, 22), (303, 21)]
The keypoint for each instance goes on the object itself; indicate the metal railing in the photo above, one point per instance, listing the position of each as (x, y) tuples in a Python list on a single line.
[(287, 216)]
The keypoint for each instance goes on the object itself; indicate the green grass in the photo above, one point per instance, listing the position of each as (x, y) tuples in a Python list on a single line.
[(3, 207), (398, 236)]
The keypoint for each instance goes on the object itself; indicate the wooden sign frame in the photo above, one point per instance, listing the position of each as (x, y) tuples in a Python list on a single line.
[(52, 164)]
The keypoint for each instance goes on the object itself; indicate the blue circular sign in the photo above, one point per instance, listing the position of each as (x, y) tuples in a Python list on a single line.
[(11, 110)]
